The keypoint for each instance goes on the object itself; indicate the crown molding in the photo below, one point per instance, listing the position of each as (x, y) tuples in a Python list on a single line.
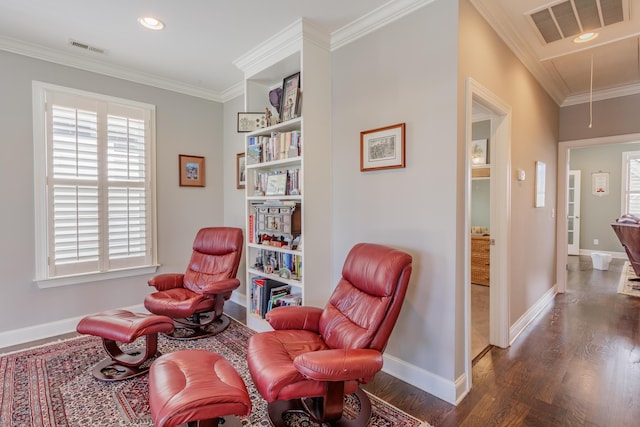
[(601, 95), (377, 18), (281, 45), (100, 67), (233, 92)]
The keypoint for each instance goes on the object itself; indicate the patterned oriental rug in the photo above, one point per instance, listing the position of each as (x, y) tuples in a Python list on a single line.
[(52, 386), (626, 285)]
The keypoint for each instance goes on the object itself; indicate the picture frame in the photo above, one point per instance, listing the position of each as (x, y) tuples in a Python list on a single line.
[(276, 185), (191, 171), (479, 152), (600, 184), (383, 148), (290, 97), (241, 171), (541, 172), (248, 122)]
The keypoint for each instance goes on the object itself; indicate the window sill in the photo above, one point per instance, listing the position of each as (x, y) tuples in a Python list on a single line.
[(93, 277)]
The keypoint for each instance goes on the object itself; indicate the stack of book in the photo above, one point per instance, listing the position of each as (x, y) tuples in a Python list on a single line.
[(267, 294)]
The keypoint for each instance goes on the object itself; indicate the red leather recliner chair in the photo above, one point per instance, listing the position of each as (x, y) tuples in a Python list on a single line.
[(194, 300), (314, 357)]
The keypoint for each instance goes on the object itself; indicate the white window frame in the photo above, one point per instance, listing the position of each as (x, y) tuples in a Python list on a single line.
[(43, 278), (627, 156)]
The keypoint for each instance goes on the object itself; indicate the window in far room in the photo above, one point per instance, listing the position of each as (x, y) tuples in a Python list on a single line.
[(95, 199), (631, 183)]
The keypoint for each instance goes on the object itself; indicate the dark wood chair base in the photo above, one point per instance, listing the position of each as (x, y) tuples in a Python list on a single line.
[(277, 409), (190, 332), (110, 370)]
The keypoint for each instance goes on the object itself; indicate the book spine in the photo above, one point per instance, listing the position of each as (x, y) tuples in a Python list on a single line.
[(252, 230)]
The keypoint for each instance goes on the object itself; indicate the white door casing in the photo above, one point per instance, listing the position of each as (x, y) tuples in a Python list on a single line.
[(573, 213)]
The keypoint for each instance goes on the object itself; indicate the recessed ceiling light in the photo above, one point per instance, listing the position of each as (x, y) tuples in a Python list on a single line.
[(151, 23), (585, 37)]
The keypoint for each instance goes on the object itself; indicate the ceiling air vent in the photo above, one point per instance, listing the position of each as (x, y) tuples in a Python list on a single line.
[(86, 46), (572, 17)]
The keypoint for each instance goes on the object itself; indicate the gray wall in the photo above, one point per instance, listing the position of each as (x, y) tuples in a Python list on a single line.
[(617, 116), (598, 212), (185, 125), (404, 72)]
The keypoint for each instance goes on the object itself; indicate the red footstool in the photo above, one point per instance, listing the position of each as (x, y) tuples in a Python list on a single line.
[(121, 326), (195, 386)]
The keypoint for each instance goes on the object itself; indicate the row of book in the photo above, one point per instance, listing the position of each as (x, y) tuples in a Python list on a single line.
[(280, 145), (267, 294), (266, 184), (273, 262)]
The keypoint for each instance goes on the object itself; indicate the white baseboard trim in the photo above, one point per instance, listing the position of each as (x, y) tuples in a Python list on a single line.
[(418, 377), (617, 255), (533, 312), (50, 329)]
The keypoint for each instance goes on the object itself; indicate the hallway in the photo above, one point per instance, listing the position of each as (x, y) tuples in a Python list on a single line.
[(577, 364)]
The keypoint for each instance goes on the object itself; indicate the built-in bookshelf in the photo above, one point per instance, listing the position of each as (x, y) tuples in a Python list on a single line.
[(288, 181)]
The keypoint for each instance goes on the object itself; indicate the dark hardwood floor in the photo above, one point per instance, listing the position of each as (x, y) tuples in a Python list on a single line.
[(577, 364)]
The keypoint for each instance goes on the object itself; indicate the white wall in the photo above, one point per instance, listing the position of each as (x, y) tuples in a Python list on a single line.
[(234, 208), (404, 72), (185, 125)]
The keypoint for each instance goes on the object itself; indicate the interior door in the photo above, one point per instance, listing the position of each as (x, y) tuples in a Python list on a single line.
[(573, 213)]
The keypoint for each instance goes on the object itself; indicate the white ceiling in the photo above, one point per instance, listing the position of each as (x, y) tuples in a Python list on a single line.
[(195, 52)]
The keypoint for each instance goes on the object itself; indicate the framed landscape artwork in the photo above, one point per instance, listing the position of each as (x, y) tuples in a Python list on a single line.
[(382, 148)]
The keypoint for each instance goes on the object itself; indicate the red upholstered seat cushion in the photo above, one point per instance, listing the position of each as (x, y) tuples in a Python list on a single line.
[(178, 302), (123, 326), (192, 385), (270, 358)]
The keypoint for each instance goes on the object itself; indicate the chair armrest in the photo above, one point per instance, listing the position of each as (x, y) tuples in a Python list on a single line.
[(221, 286), (162, 282), (295, 317), (339, 364)]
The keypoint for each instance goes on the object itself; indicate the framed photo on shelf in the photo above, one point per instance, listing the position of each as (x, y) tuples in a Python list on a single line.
[(241, 171), (248, 122), (382, 148), (191, 170), (276, 185), (290, 97)]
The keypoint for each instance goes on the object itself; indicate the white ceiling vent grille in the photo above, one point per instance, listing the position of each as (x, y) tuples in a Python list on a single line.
[(86, 46), (572, 17)]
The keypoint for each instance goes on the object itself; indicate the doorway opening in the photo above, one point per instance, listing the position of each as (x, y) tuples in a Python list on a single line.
[(566, 210), (498, 113)]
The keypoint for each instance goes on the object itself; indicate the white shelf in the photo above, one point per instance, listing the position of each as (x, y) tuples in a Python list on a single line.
[(274, 164), (292, 282), (289, 125), (274, 248)]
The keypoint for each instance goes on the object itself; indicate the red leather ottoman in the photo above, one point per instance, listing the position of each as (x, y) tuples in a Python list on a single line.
[(121, 326), (195, 386)]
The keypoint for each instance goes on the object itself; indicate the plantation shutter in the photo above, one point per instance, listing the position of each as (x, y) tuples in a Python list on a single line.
[(127, 201), (97, 185), (633, 184)]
